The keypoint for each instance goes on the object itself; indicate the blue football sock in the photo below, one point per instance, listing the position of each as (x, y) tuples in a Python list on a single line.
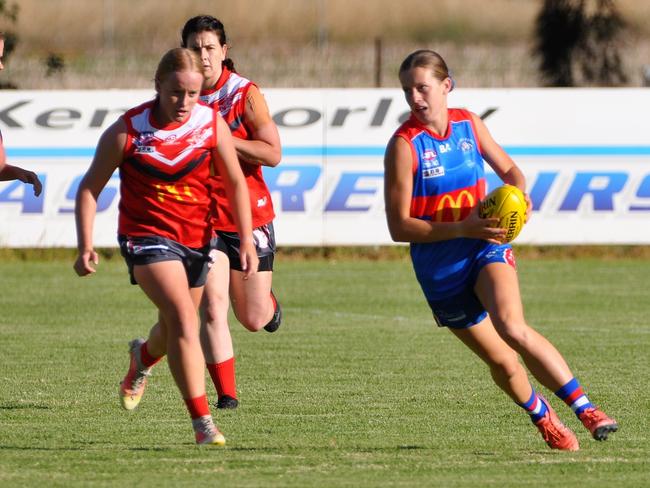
[(573, 395), (535, 406)]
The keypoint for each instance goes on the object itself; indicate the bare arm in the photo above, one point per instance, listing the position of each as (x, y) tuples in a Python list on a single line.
[(108, 157), (498, 159), (9, 172), (237, 191), (398, 188), (264, 147), (3, 155)]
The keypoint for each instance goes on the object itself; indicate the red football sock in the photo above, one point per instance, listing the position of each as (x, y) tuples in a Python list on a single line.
[(223, 377), (198, 407), (147, 359)]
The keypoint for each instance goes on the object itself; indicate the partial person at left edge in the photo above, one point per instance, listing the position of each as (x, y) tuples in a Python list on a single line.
[(9, 172)]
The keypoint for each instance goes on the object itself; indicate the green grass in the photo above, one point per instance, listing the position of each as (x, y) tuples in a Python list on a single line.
[(358, 388)]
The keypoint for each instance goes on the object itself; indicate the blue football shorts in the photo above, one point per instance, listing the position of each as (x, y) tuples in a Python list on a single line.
[(463, 309)]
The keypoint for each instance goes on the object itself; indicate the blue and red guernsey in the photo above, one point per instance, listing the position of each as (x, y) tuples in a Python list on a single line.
[(448, 176), (229, 95), (448, 181), (165, 174)]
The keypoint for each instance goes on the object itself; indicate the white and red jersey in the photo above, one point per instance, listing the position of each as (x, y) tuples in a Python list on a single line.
[(229, 95), (165, 189)]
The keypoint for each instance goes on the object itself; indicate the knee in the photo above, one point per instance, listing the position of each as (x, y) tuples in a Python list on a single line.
[(506, 366), (214, 312), (514, 331), (251, 314), (181, 325), (251, 321)]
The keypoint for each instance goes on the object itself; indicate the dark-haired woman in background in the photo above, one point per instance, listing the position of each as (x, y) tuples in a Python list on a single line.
[(257, 143)]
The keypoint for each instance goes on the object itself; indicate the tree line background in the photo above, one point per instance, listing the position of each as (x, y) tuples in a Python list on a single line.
[(316, 43)]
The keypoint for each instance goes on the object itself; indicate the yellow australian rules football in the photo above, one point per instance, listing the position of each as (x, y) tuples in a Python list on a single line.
[(508, 204)]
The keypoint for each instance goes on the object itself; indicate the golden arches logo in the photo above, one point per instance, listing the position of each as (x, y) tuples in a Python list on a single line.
[(173, 192), (455, 204)]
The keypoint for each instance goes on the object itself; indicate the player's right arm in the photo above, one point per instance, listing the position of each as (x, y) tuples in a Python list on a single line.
[(108, 156), (398, 190)]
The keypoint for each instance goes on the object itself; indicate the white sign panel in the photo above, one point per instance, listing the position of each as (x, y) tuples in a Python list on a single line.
[(585, 153)]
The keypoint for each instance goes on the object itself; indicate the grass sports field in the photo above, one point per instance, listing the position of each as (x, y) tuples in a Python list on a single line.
[(358, 388)]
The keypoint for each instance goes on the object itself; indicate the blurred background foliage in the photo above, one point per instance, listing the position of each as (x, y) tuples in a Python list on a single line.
[(334, 43)]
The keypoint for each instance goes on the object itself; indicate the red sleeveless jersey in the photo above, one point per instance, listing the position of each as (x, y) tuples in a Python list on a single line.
[(165, 174), (229, 95)]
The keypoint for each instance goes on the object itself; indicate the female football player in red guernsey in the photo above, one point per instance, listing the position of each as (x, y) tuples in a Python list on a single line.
[(166, 150), (257, 143), (434, 180)]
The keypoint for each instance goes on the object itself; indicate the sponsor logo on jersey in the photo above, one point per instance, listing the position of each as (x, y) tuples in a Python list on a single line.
[(429, 154), (429, 160), (448, 201), (143, 139), (434, 172), (199, 136), (225, 104), (465, 145)]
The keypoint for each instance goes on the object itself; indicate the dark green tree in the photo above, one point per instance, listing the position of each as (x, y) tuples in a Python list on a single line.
[(9, 11), (577, 47)]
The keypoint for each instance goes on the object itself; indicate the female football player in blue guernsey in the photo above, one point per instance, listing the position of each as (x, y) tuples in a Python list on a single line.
[(434, 180)]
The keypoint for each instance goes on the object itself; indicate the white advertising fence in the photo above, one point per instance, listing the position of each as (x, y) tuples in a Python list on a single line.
[(585, 153)]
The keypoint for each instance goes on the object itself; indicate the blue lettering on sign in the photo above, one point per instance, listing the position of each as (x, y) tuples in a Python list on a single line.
[(25, 196), (347, 187), (104, 200), (541, 187), (292, 186), (603, 195), (642, 192)]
